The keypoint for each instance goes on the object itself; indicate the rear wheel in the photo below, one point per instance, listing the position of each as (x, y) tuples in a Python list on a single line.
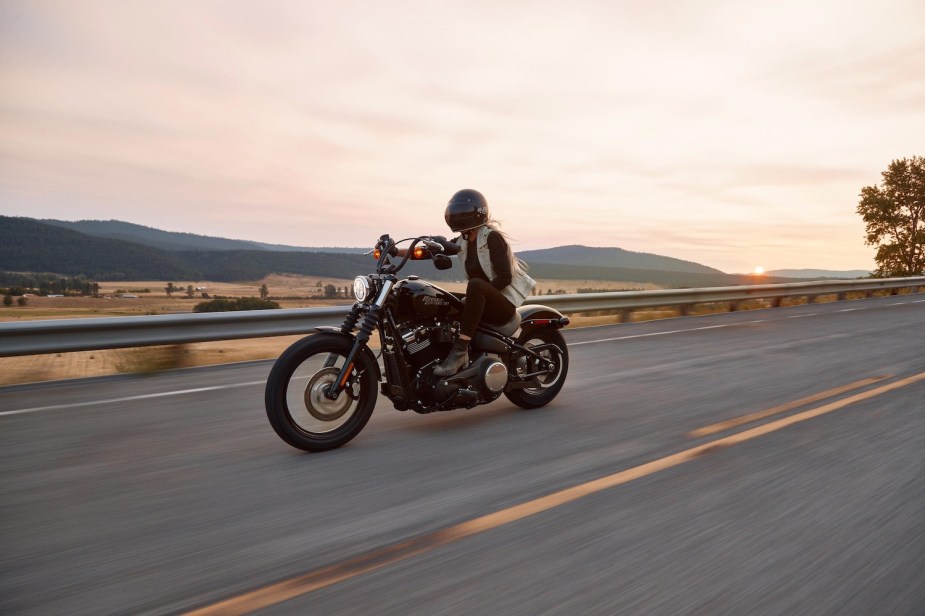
[(296, 404), (546, 384)]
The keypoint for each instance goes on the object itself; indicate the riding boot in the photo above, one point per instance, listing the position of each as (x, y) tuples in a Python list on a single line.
[(455, 361)]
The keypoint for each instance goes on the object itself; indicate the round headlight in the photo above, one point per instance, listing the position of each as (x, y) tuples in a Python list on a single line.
[(361, 288)]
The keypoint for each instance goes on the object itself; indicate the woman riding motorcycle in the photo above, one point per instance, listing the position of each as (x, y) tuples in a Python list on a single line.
[(498, 281)]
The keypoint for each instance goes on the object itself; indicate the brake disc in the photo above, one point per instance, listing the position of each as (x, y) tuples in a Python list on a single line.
[(319, 405)]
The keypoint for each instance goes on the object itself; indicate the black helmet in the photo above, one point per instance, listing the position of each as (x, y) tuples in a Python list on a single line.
[(467, 209)]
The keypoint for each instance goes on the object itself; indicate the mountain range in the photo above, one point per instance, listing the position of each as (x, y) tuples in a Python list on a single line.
[(116, 250), (816, 274)]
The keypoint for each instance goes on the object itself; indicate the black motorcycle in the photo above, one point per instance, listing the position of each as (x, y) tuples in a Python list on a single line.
[(322, 389)]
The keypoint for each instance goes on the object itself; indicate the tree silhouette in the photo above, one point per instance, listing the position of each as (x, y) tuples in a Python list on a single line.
[(894, 214)]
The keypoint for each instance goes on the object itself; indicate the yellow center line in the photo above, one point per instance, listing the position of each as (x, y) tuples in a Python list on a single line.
[(327, 576), (781, 408)]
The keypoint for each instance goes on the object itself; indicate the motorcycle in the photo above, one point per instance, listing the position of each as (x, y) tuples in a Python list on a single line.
[(322, 389)]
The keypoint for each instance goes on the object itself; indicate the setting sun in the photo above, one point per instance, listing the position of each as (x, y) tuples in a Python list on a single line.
[(759, 270)]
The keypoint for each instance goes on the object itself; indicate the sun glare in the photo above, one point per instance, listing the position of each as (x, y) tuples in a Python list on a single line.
[(758, 270)]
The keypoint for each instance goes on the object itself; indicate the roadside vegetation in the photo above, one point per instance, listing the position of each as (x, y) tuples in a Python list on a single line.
[(241, 303)]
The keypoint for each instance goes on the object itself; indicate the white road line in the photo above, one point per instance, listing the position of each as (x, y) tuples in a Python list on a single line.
[(665, 333), (252, 383), (129, 398)]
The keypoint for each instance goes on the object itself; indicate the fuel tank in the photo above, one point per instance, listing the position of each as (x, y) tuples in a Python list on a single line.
[(418, 298)]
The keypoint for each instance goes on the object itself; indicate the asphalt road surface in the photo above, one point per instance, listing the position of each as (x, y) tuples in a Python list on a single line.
[(761, 462)]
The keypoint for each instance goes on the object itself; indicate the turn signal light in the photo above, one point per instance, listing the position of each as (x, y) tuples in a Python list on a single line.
[(418, 253), (376, 254)]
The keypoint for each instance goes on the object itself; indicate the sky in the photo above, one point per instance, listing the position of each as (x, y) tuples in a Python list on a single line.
[(731, 133)]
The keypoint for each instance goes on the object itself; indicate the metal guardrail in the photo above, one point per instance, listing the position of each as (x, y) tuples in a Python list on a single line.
[(64, 335), (634, 300)]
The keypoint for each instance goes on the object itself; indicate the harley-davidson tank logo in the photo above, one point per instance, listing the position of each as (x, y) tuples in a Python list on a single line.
[(434, 301)]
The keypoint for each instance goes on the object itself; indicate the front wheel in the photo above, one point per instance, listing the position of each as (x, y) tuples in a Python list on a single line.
[(297, 407), (550, 345)]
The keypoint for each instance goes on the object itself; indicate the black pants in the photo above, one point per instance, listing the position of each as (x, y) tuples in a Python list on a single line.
[(484, 303)]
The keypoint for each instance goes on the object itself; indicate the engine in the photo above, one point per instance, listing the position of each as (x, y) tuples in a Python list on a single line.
[(483, 380), (425, 345)]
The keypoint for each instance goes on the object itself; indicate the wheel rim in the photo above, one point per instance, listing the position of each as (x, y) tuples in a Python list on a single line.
[(318, 404), (309, 409), (527, 365)]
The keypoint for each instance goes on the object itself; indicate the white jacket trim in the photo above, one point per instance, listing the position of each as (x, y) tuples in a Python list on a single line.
[(521, 285)]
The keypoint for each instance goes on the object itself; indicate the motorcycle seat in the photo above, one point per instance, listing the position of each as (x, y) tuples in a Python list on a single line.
[(505, 329)]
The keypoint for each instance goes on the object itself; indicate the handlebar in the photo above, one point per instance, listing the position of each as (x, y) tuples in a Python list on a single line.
[(433, 248)]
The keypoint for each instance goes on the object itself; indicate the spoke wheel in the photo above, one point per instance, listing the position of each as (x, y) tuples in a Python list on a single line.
[(297, 404), (546, 386)]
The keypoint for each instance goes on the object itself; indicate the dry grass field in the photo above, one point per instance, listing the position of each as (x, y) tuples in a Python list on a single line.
[(288, 291)]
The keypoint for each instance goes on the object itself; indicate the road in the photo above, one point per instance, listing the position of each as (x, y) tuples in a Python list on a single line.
[(170, 493)]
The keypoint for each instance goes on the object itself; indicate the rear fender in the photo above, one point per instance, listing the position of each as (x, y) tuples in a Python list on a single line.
[(535, 316)]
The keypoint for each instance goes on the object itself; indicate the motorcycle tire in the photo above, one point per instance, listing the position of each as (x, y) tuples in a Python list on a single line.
[(295, 403), (549, 385)]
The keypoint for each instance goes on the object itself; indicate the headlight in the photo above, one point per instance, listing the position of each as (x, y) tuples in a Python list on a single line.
[(362, 290)]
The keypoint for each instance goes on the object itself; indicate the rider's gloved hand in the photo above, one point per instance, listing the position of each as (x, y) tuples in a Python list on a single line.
[(449, 248)]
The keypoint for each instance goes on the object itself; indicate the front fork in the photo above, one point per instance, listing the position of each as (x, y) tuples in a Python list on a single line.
[(367, 324)]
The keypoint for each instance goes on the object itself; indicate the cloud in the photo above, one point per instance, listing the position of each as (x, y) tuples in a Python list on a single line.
[(695, 128)]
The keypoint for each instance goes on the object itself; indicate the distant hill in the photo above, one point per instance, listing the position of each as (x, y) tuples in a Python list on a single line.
[(176, 241), (817, 273), (612, 257), (29, 245)]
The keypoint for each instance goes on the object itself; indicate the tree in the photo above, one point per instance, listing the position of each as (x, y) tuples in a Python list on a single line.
[(21, 301), (894, 214), (330, 291), (7, 300), (264, 291), (170, 288), (189, 291)]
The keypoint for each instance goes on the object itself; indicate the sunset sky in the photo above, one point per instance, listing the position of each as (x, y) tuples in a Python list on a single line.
[(732, 133)]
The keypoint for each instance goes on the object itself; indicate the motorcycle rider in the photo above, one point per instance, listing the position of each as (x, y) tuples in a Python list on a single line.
[(497, 280)]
